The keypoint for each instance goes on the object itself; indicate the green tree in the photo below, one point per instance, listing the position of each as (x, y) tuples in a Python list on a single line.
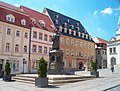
[(7, 68), (42, 68), (94, 66)]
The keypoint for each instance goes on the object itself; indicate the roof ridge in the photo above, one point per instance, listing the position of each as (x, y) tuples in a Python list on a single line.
[(33, 10)]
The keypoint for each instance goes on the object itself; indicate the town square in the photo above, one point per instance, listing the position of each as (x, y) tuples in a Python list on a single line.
[(60, 45)]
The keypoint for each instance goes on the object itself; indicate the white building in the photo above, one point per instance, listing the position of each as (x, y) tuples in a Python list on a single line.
[(113, 49), (14, 38)]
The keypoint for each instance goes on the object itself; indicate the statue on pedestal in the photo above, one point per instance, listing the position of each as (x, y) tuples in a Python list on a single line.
[(56, 41)]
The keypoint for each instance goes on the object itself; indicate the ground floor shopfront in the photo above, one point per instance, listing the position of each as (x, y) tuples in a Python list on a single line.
[(17, 64)]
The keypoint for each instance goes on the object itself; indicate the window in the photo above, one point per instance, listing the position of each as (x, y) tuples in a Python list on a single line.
[(45, 37), (50, 38), (77, 54), (8, 31), (77, 43), (42, 23), (81, 44), (72, 53), (45, 50), (98, 51), (72, 42), (16, 48), (62, 41), (7, 46), (25, 49), (35, 34), (67, 41), (33, 20), (50, 48), (26, 35), (10, 18), (67, 51), (40, 49), (18, 33), (40, 36), (23, 22), (85, 45), (15, 65), (114, 50), (34, 48), (110, 50)]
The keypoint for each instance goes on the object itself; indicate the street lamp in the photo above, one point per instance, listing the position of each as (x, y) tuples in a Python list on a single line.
[(23, 64)]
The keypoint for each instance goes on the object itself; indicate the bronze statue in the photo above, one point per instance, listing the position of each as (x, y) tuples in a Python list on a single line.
[(56, 40)]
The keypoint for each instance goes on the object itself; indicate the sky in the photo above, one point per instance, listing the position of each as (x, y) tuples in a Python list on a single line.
[(99, 17)]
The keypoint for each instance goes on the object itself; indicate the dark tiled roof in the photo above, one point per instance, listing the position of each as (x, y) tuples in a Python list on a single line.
[(62, 19), (38, 16)]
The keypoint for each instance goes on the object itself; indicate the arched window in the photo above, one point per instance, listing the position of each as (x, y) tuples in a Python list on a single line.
[(113, 61)]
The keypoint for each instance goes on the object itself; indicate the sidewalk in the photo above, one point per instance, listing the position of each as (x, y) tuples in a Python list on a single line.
[(106, 80)]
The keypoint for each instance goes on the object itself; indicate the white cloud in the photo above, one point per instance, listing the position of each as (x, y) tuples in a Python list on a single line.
[(95, 12), (107, 11), (17, 5), (99, 29)]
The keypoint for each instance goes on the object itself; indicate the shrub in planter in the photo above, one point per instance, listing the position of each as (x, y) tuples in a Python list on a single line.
[(7, 71), (42, 80), (94, 69)]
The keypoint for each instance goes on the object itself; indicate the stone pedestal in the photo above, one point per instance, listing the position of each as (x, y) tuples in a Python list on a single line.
[(55, 62)]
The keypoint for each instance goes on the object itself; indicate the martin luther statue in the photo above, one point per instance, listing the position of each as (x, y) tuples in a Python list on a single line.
[(56, 41)]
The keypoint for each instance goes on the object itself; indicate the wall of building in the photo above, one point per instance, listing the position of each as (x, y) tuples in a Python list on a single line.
[(83, 51), (35, 56), (15, 58)]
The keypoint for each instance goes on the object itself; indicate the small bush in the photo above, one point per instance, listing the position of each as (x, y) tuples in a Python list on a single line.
[(42, 68), (7, 68), (94, 66)]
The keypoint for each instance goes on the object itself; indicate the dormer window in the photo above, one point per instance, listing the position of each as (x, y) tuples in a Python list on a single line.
[(56, 21), (71, 26), (74, 33), (77, 28), (77, 24), (42, 23), (82, 35), (68, 21), (33, 21), (10, 18), (53, 27), (65, 30), (56, 16), (60, 28), (79, 34), (70, 31), (23, 22), (86, 36), (89, 37), (65, 25)]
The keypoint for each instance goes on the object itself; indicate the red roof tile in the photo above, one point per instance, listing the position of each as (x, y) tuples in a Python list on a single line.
[(18, 18), (5, 5), (38, 16), (99, 40)]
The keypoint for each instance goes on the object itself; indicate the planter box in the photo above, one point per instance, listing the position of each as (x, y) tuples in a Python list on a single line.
[(41, 82), (7, 77), (95, 73)]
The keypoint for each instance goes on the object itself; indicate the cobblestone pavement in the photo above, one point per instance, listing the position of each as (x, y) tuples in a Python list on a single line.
[(106, 80)]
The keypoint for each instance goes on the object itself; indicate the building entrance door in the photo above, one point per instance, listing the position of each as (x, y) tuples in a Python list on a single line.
[(80, 65), (1, 65)]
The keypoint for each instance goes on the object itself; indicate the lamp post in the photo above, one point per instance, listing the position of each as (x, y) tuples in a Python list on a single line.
[(23, 64)]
